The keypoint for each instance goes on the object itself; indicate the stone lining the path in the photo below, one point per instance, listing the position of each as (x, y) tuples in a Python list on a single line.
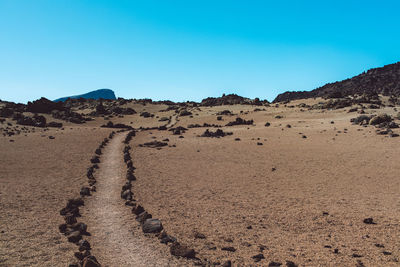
[(149, 224), (74, 230)]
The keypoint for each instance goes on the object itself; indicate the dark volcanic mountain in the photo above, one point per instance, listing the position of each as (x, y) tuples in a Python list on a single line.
[(97, 94), (384, 80)]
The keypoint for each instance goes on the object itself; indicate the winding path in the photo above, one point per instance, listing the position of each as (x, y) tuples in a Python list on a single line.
[(116, 237), (172, 122)]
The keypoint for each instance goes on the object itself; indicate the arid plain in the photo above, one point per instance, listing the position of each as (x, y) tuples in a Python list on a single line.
[(298, 186)]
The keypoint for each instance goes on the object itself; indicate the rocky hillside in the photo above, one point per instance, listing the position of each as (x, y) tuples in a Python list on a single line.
[(384, 80), (231, 99), (97, 94)]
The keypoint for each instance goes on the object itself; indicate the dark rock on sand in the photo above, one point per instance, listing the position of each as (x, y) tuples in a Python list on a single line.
[(380, 119), (361, 120), (130, 176), (152, 226), (126, 186), (369, 221), (227, 264), (137, 210), (54, 124), (85, 191), (258, 257), (142, 217), (95, 159), (231, 249), (179, 250), (110, 124), (84, 245), (127, 194), (74, 237), (199, 235), (291, 264), (154, 144), (146, 114), (218, 133), (240, 121), (62, 227), (274, 264), (185, 113), (90, 261), (70, 219), (165, 238)]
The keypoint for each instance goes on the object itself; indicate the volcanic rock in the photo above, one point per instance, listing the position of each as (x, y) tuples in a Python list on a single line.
[(85, 191), (258, 257), (218, 133), (74, 237), (240, 121), (43, 105), (90, 261), (182, 251), (152, 226)]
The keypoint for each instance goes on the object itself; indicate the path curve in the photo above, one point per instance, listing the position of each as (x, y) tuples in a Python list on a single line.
[(116, 237), (172, 122)]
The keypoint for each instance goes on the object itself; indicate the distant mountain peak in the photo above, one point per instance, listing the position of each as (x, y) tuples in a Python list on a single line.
[(96, 94)]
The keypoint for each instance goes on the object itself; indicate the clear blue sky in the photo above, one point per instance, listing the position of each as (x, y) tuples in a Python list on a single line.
[(188, 50)]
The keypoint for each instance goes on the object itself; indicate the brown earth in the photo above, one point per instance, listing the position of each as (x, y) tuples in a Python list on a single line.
[(117, 240), (291, 198), (313, 202), (37, 176)]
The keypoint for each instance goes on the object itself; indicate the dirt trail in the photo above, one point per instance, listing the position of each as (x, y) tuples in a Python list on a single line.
[(116, 238), (173, 121)]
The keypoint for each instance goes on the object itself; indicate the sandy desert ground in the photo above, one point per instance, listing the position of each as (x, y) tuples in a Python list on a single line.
[(295, 193)]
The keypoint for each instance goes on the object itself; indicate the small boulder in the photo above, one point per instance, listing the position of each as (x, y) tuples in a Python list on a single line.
[(379, 119), (258, 257), (274, 264), (85, 191), (231, 249), (142, 217), (291, 264), (90, 261), (127, 194), (152, 226), (182, 251), (369, 221), (84, 245), (74, 237), (137, 209)]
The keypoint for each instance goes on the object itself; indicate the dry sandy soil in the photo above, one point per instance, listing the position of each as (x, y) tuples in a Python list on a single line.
[(292, 198), (37, 176), (313, 202)]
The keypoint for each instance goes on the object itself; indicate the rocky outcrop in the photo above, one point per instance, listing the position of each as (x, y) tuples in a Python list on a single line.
[(231, 99), (43, 105), (218, 133), (384, 80), (110, 124), (240, 121)]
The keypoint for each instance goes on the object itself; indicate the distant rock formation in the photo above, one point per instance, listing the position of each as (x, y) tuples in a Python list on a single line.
[(384, 80), (231, 99), (97, 94), (43, 105)]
